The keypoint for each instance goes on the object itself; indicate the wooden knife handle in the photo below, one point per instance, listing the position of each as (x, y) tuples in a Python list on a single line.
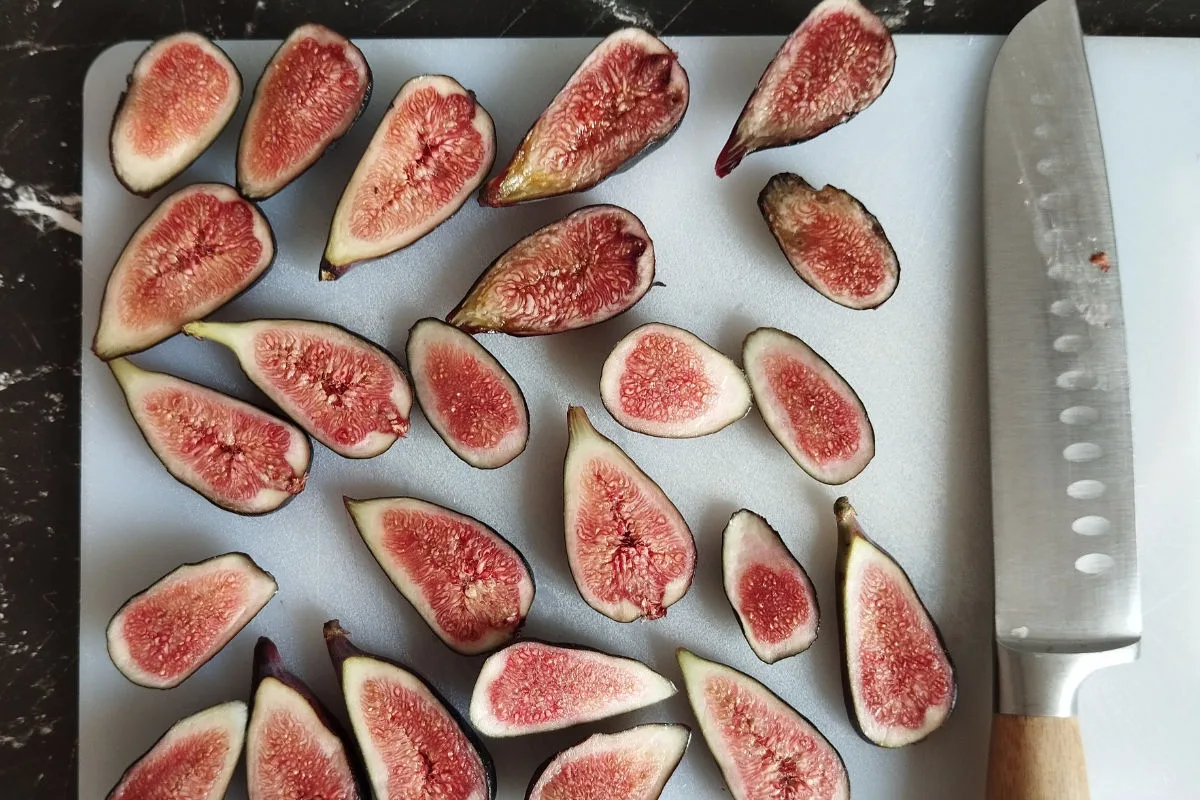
[(1036, 758)]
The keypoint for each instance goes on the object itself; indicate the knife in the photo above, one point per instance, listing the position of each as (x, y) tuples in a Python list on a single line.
[(1066, 574)]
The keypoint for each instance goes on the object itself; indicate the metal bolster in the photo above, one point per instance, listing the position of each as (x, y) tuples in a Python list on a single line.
[(1036, 683)]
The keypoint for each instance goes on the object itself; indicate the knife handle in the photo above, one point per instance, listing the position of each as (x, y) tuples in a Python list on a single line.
[(1036, 758)]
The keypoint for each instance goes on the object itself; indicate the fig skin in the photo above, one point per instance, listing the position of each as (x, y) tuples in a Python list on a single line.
[(541, 768)]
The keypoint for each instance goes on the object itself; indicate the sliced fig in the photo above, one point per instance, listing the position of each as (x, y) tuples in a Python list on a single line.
[(294, 746), (634, 764), (170, 629), (770, 592), (346, 391), (310, 93), (832, 67), (193, 760), (235, 455), (628, 95), (663, 381), (588, 267), (898, 678), (764, 747), (433, 148), (832, 242), (532, 686), (198, 250), (182, 92), (808, 406), (468, 583), (467, 395), (414, 743)]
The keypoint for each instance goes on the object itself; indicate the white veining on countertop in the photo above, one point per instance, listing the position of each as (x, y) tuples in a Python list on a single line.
[(895, 14), (624, 12), (41, 208)]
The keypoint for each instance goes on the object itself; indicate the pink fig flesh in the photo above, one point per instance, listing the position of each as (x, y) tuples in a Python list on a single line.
[(634, 764)]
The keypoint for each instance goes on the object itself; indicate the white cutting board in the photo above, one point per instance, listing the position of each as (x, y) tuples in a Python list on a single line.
[(918, 363)]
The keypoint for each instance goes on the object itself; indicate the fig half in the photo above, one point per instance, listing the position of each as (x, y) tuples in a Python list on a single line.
[(468, 397), (833, 66), (631, 552), (167, 631), (413, 742), (832, 242), (433, 148), (898, 678), (236, 456), (310, 93), (634, 764), (469, 584), (770, 592), (628, 95), (198, 250), (808, 406), (663, 381), (182, 92), (531, 686), (346, 391), (193, 760), (764, 747)]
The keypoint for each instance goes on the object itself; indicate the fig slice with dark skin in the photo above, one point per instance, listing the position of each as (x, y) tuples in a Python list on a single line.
[(664, 381), (310, 94), (898, 678), (633, 764), (413, 742), (468, 397), (432, 149), (346, 391), (833, 66), (587, 267), (193, 760), (200, 248), (167, 631), (235, 455), (770, 592), (469, 584), (627, 96), (631, 553), (764, 747), (182, 92), (294, 746), (832, 242), (808, 406), (532, 686)]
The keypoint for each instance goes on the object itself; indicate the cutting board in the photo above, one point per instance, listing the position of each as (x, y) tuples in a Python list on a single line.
[(918, 363)]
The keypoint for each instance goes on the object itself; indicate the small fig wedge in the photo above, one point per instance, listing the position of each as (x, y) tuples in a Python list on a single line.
[(808, 406), (832, 67), (182, 92), (631, 552), (469, 584), (167, 631), (627, 96), (193, 760), (588, 267), (898, 678), (770, 592), (764, 747), (233, 454), (433, 148), (414, 743), (832, 242), (532, 686), (663, 381), (294, 746), (346, 391), (468, 397), (198, 250), (310, 93), (634, 764)]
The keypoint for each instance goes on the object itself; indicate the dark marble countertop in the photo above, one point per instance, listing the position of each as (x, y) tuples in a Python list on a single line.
[(45, 49)]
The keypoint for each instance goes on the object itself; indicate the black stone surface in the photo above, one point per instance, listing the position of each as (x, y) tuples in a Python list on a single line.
[(45, 49)]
